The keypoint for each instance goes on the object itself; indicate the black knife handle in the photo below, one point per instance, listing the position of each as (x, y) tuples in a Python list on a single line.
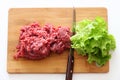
[(70, 65)]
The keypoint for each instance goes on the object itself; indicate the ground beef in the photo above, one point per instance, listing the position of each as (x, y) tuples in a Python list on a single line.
[(36, 42)]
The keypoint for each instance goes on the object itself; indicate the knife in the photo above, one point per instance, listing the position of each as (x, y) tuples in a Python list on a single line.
[(70, 63)]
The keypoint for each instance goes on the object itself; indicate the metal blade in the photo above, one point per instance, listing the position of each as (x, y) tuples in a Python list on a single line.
[(74, 21)]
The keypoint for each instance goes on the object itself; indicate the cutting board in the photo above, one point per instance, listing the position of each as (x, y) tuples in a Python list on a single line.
[(19, 17)]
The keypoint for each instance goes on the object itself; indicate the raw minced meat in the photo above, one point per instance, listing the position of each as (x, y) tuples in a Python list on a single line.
[(36, 42)]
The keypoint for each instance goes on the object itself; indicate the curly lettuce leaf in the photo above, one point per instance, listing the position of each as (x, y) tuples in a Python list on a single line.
[(92, 39)]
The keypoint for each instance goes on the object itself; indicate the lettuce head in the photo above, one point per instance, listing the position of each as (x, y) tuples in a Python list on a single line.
[(93, 40)]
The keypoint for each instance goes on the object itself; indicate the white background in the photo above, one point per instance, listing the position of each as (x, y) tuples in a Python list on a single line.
[(114, 28)]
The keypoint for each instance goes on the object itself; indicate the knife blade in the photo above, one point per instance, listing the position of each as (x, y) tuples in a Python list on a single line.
[(70, 63)]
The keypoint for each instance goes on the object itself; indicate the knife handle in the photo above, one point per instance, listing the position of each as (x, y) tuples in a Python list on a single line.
[(70, 66)]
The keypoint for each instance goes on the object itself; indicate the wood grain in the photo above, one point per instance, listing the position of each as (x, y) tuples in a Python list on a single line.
[(19, 17)]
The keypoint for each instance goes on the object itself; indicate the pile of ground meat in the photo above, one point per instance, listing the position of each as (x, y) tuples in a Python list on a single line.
[(36, 42)]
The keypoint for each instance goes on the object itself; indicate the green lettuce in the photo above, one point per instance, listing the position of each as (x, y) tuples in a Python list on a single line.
[(93, 40)]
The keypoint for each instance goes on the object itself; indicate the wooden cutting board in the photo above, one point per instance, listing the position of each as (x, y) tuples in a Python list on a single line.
[(19, 17)]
